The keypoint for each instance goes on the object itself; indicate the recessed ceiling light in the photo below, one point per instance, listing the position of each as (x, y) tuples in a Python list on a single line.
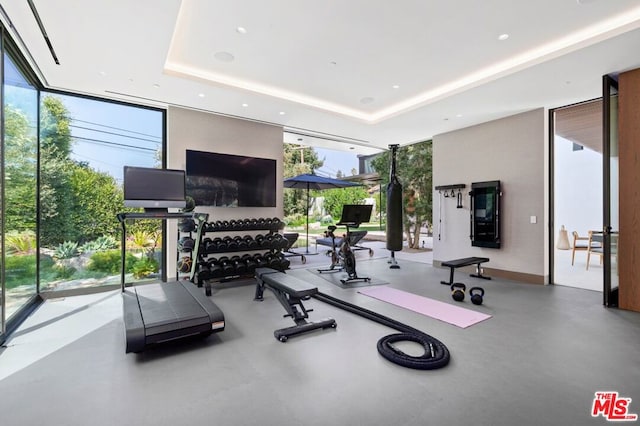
[(351, 147), (333, 63), (503, 37), (245, 105), (241, 30), (299, 139), (156, 85), (224, 56), (281, 112), (103, 73), (395, 86), (201, 95), (366, 100), (458, 115)]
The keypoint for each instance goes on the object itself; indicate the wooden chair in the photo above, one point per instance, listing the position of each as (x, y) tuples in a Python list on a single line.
[(579, 244), (595, 246)]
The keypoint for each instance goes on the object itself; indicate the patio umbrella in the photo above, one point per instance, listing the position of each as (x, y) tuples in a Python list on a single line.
[(308, 182)]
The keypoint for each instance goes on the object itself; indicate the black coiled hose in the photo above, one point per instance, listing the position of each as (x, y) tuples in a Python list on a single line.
[(436, 354)]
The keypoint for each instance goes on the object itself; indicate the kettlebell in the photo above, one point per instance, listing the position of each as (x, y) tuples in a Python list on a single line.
[(476, 293), (457, 291)]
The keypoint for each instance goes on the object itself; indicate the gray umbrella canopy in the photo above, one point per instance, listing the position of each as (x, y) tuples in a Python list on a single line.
[(308, 182)]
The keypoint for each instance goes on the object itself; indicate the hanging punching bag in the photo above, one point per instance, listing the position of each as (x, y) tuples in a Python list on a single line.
[(394, 207)]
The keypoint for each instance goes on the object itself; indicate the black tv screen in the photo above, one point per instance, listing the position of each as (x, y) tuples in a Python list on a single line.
[(153, 188), (225, 180)]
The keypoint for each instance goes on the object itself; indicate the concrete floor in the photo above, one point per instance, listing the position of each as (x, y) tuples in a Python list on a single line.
[(538, 361)]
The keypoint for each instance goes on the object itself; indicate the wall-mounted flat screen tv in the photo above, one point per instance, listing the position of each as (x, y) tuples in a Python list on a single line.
[(154, 189), (225, 180)]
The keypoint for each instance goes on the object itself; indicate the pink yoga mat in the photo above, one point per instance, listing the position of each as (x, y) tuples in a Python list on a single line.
[(447, 312)]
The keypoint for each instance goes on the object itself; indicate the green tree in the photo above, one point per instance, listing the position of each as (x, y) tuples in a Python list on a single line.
[(415, 172), (20, 172), (96, 200), (298, 159), (334, 199), (56, 194)]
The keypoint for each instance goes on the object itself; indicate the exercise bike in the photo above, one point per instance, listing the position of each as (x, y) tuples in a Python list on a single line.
[(342, 257)]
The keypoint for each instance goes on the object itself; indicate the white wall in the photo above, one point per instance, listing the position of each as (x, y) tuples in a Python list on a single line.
[(578, 188), (201, 131), (511, 150)]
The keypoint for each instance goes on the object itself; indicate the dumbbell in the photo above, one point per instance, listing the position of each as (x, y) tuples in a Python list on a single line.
[(260, 261), (242, 243), (250, 263), (227, 266), (218, 245), (231, 243), (276, 241), (261, 222), (254, 223), (476, 294), (457, 291), (284, 263), (239, 266), (251, 243), (246, 224), (204, 273), (272, 261), (214, 268), (259, 240)]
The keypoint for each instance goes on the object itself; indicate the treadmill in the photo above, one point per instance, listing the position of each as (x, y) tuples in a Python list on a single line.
[(165, 311)]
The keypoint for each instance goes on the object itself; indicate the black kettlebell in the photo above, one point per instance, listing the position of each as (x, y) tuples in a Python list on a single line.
[(457, 291), (476, 293)]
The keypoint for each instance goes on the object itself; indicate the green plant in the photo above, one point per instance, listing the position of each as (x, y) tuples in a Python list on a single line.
[(20, 270), (64, 272), (66, 250), (105, 242), (109, 261), (144, 267), (20, 242)]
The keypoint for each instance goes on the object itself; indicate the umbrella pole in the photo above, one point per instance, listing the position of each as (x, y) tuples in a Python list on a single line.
[(307, 252)]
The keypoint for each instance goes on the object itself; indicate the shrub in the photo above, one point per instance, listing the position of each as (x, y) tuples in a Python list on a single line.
[(20, 242), (144, 267), (105, 242), (64, 272), (66, 250), (20, 270), (109, 261)]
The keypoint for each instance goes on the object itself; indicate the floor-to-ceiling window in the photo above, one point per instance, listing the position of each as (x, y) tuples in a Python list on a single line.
[(85, 142), (61, 163), (19, 186)]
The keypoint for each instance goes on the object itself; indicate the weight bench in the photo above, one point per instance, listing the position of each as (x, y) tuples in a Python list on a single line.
[(291, 238), (290, 292), (467, 261), (354, 238)]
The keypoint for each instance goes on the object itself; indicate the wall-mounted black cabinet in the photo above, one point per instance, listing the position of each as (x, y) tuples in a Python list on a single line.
[(485, 214)]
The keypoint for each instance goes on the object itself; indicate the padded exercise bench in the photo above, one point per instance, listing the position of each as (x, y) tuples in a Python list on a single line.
[(467, 261), (290, 292)]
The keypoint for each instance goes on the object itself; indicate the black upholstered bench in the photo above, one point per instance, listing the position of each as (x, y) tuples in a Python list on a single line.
[(290, 292), (467, 261)]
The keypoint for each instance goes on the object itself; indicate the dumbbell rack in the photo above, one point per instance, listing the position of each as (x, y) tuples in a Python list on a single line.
[(237, 253)]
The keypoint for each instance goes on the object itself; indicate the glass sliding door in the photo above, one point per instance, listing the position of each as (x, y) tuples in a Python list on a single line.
[(610, 190), (19, 188)]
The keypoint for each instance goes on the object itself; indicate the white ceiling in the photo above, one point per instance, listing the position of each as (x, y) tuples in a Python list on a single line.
[(330, 66)]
